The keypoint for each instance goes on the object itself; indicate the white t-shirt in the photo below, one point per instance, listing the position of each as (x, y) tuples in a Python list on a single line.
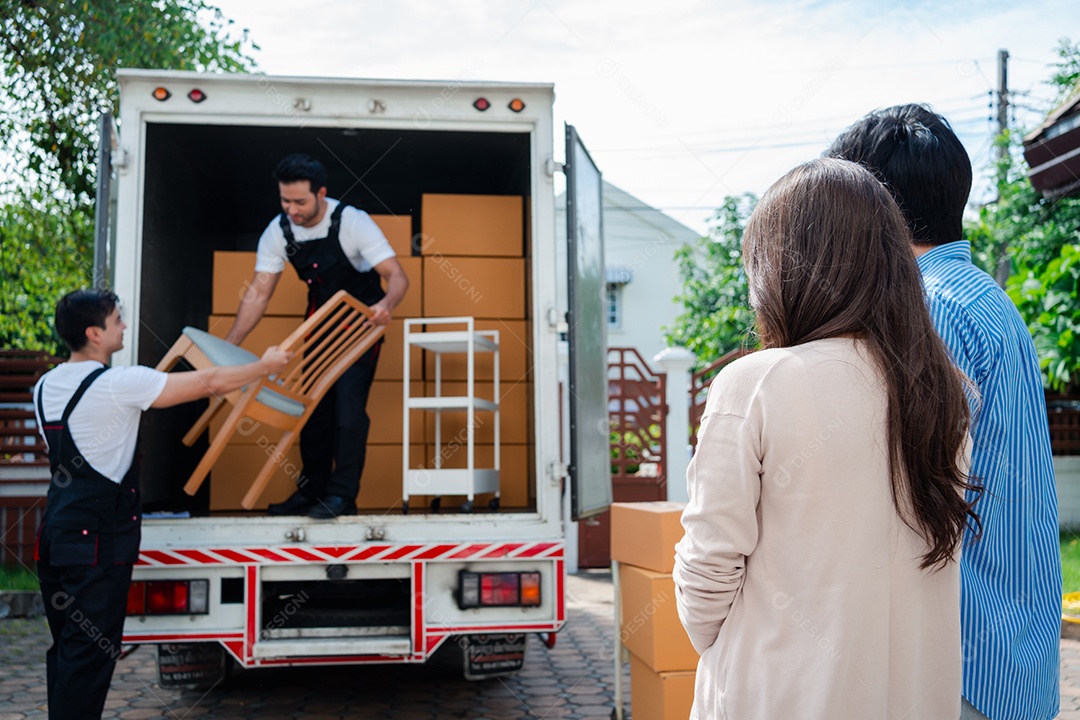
[(361, 239), (105, 423)]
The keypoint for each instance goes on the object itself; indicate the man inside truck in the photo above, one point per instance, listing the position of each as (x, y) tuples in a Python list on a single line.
[(89, 535), (333, 247)]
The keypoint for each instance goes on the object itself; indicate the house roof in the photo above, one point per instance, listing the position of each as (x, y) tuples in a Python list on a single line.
[(1052, 151)]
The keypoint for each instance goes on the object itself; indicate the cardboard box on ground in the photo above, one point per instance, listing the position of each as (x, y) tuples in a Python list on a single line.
[(659, 696)]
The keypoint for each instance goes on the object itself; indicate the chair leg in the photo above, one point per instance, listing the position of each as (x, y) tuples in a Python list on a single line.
[(177, 351), (221, 439), (272, 463), (200, 425)]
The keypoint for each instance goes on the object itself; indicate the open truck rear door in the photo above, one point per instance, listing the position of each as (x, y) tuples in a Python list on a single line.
[(590, 442)]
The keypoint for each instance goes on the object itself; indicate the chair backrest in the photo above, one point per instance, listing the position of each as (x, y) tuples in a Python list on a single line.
[(325, 345)]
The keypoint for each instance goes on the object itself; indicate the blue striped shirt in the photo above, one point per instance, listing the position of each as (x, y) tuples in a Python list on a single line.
[(1010, 599)]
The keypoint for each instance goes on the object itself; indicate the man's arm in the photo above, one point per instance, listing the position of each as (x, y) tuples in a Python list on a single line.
[(397, 283), (184, 387), (252, 305)]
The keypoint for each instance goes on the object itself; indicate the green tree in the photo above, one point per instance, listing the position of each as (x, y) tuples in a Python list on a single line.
[(716, 315), (59, 59), (58, 63), (1040, 238)]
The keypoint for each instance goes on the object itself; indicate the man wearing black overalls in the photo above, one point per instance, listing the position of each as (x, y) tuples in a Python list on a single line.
[(89, 535), (332, 247)]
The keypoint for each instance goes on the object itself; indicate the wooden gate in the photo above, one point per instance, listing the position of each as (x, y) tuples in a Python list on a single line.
[(24, 462), (699, 387), (637, 416)]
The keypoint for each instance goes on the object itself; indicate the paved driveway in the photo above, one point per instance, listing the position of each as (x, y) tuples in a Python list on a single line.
[(572, 680)]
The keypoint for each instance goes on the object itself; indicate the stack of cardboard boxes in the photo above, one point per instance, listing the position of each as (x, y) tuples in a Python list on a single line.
[(469, 259), (247, 451), (662, 660), (473, 249)]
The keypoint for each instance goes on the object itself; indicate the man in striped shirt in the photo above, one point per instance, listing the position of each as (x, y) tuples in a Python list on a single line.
[(1010, 607)]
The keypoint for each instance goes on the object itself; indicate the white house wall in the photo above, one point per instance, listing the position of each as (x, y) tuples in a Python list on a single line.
[(643, 239)]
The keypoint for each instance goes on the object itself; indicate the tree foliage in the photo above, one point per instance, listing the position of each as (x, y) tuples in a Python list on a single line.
[(58, 63), (45, 251), (716, 315), (1040, 238)]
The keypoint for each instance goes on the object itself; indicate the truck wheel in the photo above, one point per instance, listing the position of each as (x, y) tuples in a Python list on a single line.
[(404, 507), (436, 503), (467, 506), (493, 503)]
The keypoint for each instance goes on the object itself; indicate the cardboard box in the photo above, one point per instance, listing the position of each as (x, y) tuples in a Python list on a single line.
[(644, 534), (477, 225), (380, 485), (232, 276), (398, 231), (515, 354), (651, 628), (236, 469), (269, 331), (385, 408), (660, 696), (410, 305), (492, 288), (515, 472), (514, 419), (392, 359)]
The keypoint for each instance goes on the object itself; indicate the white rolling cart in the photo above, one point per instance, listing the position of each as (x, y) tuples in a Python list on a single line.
[(460, 336)]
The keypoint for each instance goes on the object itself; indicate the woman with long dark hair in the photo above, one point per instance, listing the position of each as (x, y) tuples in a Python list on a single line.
[(818, 574)]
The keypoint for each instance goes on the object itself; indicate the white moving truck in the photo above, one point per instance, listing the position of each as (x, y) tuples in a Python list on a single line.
[(191, 188)]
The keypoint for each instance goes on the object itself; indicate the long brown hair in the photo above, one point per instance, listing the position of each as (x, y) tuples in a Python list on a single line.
[(827, 254)]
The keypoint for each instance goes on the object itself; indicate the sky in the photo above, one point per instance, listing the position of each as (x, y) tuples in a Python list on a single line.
[(683, 102)]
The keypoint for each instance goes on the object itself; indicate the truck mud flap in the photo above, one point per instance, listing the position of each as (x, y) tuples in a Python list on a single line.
[(488, 656)]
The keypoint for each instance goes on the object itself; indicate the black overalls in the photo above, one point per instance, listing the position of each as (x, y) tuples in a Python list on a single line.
[(333, 443), (87, 544)]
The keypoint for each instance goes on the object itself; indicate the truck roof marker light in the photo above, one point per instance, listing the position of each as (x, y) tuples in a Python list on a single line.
[(481, 104), (161, 94), (517, 105), (196, 95)]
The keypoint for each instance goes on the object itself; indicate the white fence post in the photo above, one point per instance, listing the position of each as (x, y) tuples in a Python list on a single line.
[(677, 363)]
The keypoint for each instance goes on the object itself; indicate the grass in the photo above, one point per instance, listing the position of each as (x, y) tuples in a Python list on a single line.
[(1070, 562), (16, 577)]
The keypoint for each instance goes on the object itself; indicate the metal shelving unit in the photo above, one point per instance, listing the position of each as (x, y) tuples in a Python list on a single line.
[(461, 337)]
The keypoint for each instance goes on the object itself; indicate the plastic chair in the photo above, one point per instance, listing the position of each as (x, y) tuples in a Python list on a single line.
[(323, 347)]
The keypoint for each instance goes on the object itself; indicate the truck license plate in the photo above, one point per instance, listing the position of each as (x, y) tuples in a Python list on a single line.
[(492, 655)]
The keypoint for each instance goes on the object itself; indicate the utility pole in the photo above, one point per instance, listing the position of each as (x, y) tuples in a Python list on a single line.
[(1003, 267)]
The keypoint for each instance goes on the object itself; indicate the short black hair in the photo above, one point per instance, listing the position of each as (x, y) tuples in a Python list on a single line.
[(915, 152), (297, 167), (82, 309)]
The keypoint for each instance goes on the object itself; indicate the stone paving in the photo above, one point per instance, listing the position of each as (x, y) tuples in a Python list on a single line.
[(570, 681)]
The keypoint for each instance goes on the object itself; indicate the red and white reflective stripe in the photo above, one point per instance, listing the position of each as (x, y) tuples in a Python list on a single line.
[(352, 553)]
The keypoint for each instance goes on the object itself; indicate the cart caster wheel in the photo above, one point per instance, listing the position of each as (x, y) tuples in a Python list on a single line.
[(436, 504), (404, 507), (467, 506), (493, 503)]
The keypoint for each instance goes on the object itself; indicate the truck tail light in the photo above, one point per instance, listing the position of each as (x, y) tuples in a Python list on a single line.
[(481, 104), (498, 589), (169, 597), (517, 105), (161, 94), (196, 96)]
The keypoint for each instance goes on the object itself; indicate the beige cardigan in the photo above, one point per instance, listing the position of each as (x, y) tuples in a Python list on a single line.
[(796, 580)]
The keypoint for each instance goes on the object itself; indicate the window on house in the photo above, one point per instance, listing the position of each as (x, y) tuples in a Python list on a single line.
[(614, 305)]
